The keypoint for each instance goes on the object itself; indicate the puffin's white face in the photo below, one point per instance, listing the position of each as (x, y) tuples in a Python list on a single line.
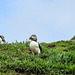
[(33, 37)]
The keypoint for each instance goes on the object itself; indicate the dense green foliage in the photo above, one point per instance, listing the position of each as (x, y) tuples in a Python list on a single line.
[(57, 58)]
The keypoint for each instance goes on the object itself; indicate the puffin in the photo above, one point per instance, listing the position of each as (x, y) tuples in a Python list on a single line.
[(34, 45), (2, 38)]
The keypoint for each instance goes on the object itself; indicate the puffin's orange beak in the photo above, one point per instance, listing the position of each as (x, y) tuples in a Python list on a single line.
[(4, 41), (29, 38)]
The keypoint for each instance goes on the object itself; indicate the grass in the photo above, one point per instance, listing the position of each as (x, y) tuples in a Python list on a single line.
[(57, 58)]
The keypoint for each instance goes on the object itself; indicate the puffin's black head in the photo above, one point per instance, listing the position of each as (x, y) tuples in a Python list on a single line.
[(2, 37), (33, 38)]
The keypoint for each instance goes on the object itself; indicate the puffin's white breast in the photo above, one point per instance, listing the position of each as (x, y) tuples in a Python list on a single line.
[(0, 40), (33, 45)]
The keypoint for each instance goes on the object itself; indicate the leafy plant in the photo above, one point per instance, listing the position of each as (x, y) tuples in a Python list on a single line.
[(14, 58)]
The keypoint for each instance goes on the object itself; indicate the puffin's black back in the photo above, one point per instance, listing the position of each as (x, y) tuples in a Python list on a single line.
[(40, 48)]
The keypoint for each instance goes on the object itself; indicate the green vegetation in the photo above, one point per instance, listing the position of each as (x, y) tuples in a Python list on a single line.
[(57, 58)]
